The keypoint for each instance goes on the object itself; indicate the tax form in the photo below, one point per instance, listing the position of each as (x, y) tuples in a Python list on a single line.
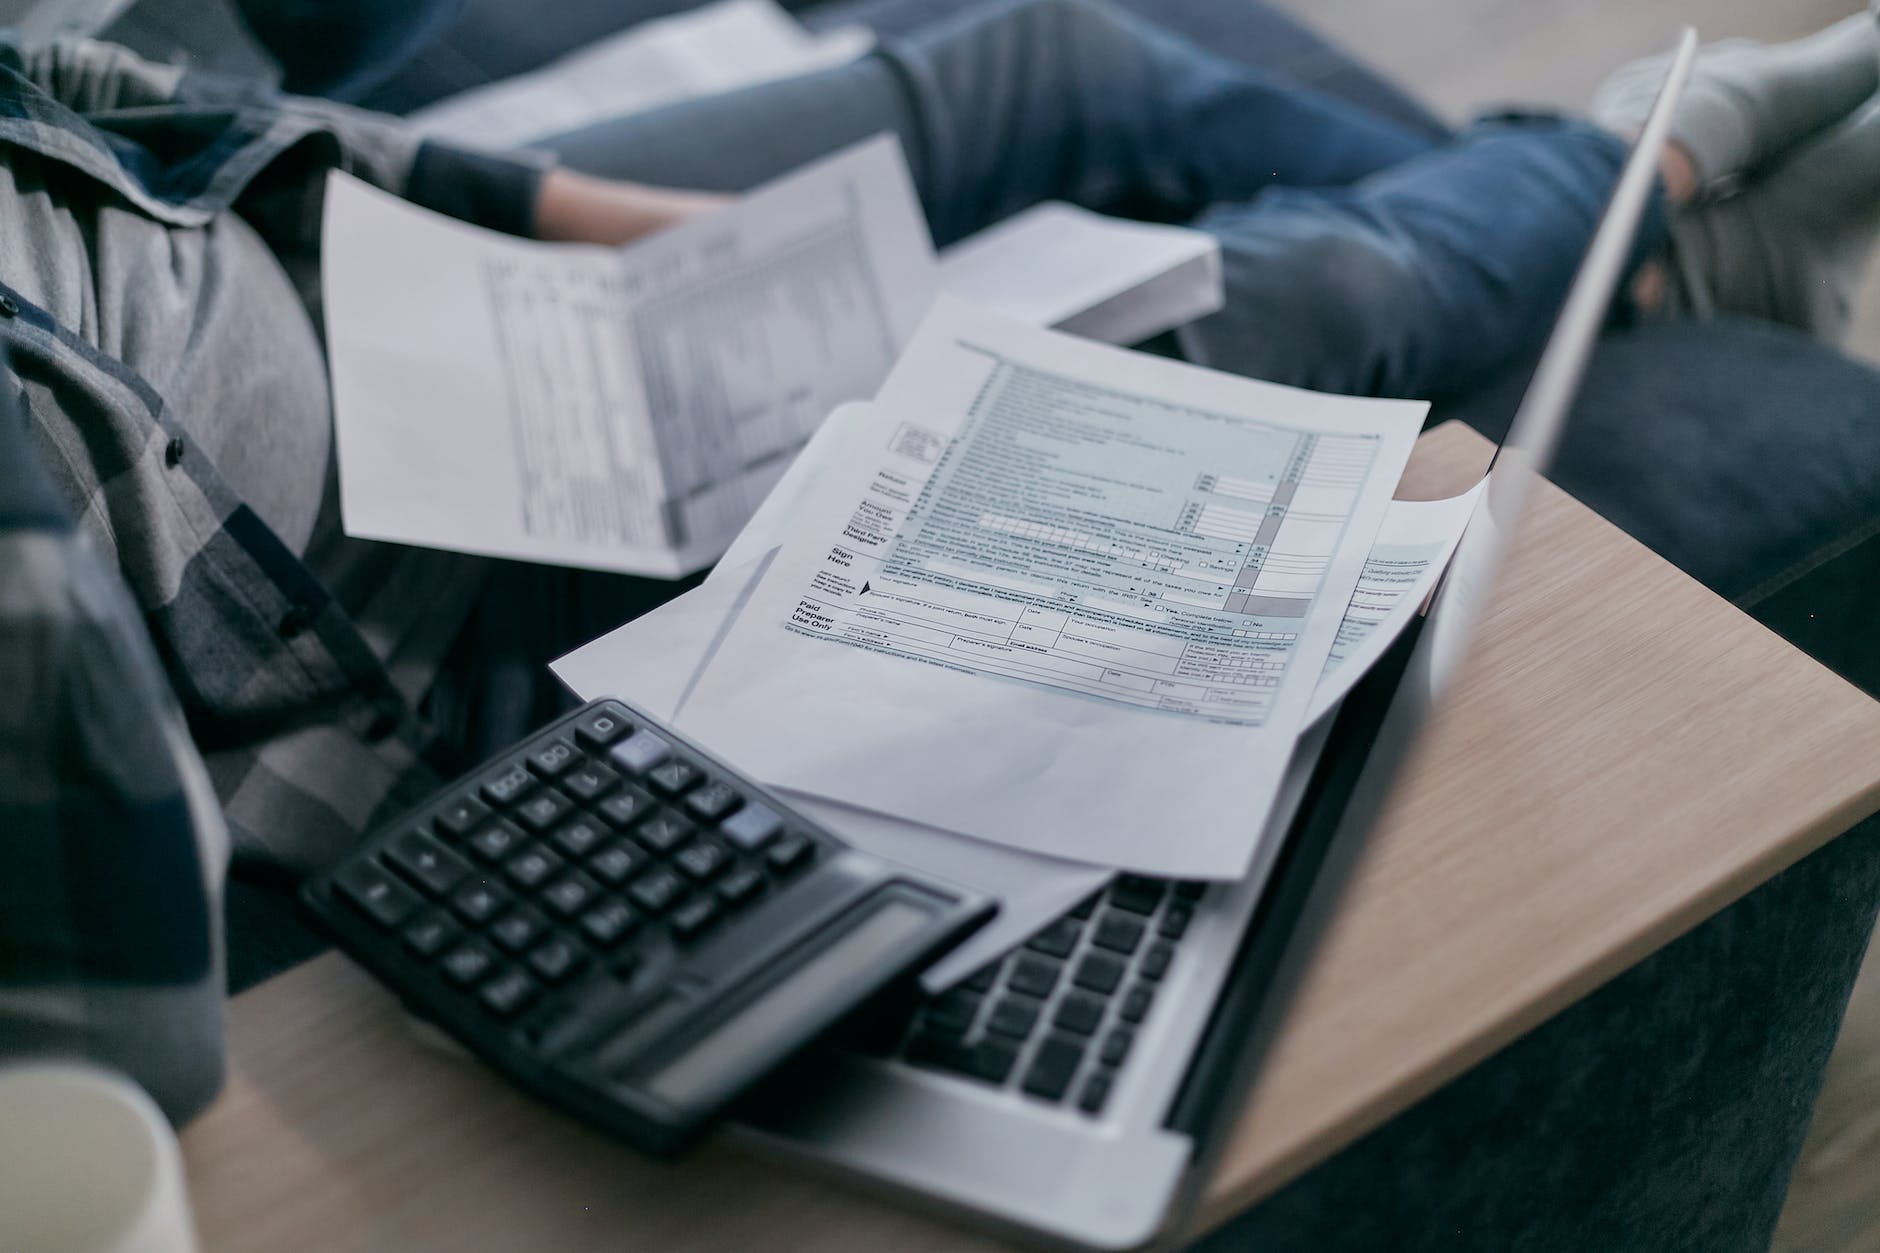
[(1061, 597), (619, 409)]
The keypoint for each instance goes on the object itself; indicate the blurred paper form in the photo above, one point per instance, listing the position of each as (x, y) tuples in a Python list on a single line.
[(621, 409), (714, 48), (1060, 597)]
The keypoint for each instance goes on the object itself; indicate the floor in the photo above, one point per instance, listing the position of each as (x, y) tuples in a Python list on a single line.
[(1461, 54)]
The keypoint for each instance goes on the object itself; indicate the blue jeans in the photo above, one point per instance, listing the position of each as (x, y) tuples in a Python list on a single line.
[(1358, 257)]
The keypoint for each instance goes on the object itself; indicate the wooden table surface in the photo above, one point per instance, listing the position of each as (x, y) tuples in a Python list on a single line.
[(1626, 754)]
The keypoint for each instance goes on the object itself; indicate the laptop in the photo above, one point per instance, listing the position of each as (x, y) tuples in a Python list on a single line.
[(1082, 1088)]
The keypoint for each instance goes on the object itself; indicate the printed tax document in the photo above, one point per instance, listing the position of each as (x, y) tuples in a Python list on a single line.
[(1060, 596), (1411, 551), (714, 48), (1099, 277), (651, 662), (620, 409)]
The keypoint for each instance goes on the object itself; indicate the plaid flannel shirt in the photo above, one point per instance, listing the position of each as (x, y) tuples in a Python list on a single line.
[(304, 735)]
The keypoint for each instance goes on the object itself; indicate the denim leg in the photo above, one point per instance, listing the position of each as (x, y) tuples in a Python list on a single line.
[(1423, 279), (1014, 103)]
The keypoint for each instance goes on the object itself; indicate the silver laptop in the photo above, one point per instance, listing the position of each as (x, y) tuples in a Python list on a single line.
[(1082, 1087)]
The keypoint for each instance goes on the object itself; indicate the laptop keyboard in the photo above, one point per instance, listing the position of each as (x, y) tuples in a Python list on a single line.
[(1057, 1017)]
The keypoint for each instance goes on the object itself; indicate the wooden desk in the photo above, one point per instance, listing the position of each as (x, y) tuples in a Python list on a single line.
[(1627, 755)]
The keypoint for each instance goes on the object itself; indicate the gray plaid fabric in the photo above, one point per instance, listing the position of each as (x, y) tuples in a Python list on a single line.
[(110, 168), (110, 837)]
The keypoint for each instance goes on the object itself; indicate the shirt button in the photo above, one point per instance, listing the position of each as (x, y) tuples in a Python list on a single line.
[(173, 452), (295, 622), (9, 307)]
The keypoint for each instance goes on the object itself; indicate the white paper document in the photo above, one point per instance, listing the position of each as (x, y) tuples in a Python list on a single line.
[(621, 409), (1060, 597), (650, 662), (718, 47), (1086, 274), (1411, 551)]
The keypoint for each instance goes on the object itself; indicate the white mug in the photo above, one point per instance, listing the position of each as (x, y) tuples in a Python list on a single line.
[(88, 1164)]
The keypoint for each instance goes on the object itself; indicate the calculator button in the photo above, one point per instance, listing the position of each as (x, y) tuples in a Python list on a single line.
[(479, 901), (752, 826), (426, 862), (497, 841), (590, 782), (508, 993), (626, 807), (599, 729), (657, 889), (713, 801), (507, 786), (1120, 933), (468, 962), (640, 752), (431, 934), (570, 894), (790, 854), (609, 922), (543, 809), (617, 862), (580, 835), (531, 868), (740, 886), (674, 777), (555, 959), (664, 832), (692, 918), (377, 894), (519, 928), (553, 758), (703, 860), (460, 815)]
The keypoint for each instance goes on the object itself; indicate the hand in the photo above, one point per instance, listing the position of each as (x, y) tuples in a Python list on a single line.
[(574, 208)]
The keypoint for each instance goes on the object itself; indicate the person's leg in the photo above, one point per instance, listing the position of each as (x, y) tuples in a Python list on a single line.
[(1421, 279), (1015, 103)]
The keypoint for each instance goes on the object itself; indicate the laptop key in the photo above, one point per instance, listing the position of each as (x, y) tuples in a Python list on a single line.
[(992, 1060), (1056, 940), (1096, 1092), (1116, 1046), (1035, 976), (1079, 1013), (1120, 933), (1137, 894), (1175, 920), (1136, 1003), (1155, 962), (1099, 972), (1054, 1067), (983, 978), (1014, 1016), (955, 1011)]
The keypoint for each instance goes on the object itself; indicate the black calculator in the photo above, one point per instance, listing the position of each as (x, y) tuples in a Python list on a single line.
[(627, 928)]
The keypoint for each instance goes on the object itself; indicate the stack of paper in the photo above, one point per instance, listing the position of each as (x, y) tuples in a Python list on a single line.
[(1044, 610)]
